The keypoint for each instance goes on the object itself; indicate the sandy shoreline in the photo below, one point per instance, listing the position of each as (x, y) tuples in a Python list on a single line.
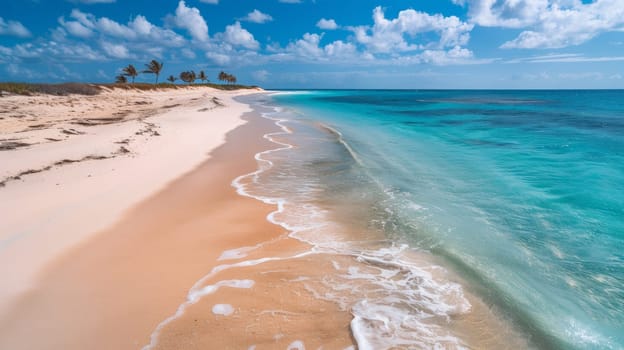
[(164, 253), (111, 290), (72, 165)]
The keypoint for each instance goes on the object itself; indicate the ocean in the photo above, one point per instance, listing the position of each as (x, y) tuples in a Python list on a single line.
[(458, 219)]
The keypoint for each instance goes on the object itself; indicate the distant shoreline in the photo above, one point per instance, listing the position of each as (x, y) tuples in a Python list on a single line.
[(64, 89)]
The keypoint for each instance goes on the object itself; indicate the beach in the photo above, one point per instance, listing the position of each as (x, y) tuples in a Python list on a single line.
[(153, 246), (256, 220), (84, 265), (81, 161)]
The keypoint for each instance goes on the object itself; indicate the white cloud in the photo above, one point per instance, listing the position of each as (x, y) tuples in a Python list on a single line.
[(188, 53), (549, 23), (238, 36), (190, 18), (118, 51), (581, 76), (290, 1), (327, 24), (340, 49), (112, 28), (214, 2), (51, 51), (85, 25), (17, 71), (260, 75), (566, 58), (107, 39), (76, 28), (504, 13), (440, 57), (218, 58), (309, 48), (13, 28), (389, 36), (257, 17)]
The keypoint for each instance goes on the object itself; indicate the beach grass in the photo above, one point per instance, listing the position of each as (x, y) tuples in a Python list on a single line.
[(94, 89)]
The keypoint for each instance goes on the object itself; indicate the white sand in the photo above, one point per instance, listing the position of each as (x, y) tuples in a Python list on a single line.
[(44, 214)]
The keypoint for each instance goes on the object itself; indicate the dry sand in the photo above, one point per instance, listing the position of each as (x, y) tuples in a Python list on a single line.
[(75, 164)]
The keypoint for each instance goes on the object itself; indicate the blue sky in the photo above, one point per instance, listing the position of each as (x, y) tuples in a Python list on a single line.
[(321, 43)]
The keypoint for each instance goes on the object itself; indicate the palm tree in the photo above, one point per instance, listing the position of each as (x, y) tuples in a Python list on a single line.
[(130, 71), (154, 67), (222, 76), (121, 79), (188, 77), (172, 79), (229, 78), (202, 76)]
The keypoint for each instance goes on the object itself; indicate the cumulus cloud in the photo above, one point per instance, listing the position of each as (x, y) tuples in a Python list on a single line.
[(218, 58), (549, 23), (76, 28), (190, 18), (327, 24), (440, 57), (390, 36), (115, 50), (309, 48), (256, 16), (238, 36), (13, 28), (51, 50), (85, 25), (107, 39), (505, 13), (340, 49)]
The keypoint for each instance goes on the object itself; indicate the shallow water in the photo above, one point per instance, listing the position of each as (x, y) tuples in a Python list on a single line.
[(519, 193)]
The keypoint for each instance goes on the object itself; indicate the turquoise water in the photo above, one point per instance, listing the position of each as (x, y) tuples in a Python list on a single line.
[(520, 192)]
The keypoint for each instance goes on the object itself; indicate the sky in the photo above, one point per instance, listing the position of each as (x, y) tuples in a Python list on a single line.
[(300, 44)]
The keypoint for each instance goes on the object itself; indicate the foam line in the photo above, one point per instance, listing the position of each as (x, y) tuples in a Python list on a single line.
[(197, 291)]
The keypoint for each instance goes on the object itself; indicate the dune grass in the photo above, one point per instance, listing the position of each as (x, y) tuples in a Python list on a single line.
[(50, 89), (94, 89)]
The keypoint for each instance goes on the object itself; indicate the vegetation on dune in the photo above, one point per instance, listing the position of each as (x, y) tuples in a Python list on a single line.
[(188, 77), (229, 78), (51, 89), (94, 89), (121, 81), (155, 67), (202, 76)]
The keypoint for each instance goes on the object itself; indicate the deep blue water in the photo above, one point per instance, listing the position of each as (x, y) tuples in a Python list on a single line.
[(521, 192)]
